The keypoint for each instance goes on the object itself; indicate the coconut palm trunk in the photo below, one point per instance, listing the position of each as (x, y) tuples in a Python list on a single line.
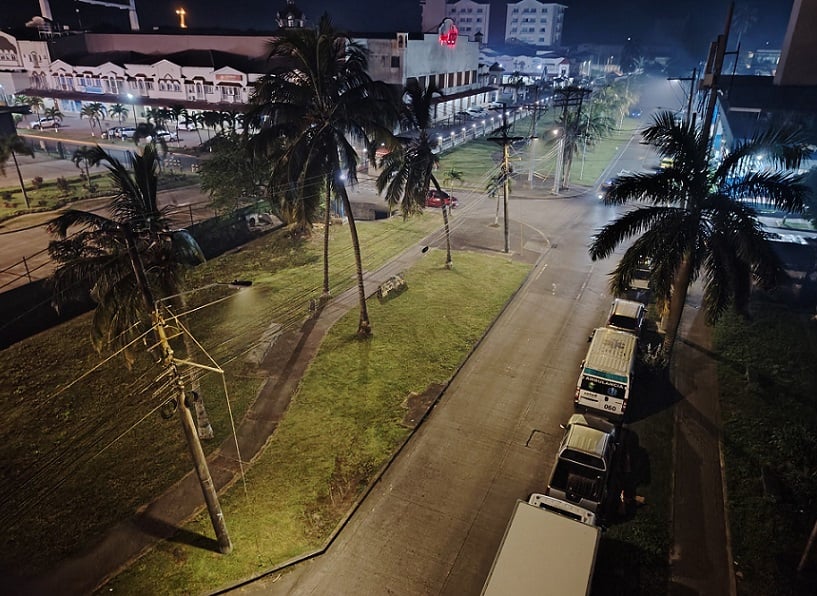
[(327, 220), (449, 264), (678, 297), (364, 327)]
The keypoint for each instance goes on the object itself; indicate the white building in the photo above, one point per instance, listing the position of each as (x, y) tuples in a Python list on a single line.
[(215, 72), (534, 23), (470, 17)]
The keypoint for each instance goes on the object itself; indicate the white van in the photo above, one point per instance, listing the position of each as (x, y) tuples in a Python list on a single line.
[(607, 373), (626, 315)]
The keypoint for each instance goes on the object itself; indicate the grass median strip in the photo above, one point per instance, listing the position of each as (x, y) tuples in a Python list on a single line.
[(344, 423)]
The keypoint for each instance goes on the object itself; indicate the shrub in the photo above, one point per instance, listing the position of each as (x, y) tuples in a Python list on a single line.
[(37, 182), (63, 185)]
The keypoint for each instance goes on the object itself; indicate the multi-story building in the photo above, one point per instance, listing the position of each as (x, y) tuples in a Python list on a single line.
[(471, 17), (215, 72), (535, 23)]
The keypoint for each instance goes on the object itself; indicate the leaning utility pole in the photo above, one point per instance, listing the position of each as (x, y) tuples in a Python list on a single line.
[(505, 141), (188, 426)]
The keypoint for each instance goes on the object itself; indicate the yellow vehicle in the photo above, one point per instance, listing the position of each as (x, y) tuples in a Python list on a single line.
[(666, 162)]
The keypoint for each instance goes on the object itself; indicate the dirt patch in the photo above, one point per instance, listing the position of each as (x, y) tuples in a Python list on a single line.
[(417, 404)]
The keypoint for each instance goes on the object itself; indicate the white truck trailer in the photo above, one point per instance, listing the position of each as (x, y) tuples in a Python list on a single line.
[(549, 547)]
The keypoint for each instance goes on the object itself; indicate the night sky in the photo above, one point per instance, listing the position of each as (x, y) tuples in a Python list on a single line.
[(691, 22)]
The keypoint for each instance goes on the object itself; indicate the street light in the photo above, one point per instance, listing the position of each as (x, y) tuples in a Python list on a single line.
[(560, 155), (133, 107)]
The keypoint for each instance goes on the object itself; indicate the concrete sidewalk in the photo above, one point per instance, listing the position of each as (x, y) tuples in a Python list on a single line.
[(701, 561)]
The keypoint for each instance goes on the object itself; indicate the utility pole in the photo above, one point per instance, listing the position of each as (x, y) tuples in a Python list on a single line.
[(188, 426), (505, 141), (711, 78), (693, 79)]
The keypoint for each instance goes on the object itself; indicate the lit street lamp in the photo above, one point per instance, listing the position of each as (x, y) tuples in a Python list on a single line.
[(133, 107)]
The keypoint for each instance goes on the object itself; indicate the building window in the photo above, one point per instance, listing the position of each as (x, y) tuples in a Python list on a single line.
[(395, 61)]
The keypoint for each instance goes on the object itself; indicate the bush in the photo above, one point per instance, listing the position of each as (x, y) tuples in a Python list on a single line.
[(6, 196), (63, 185), (37, 182)]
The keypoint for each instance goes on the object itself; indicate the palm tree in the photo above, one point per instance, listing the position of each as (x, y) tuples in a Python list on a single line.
[(128, 260), (83, 158), (697, 225), (97, 255), (10, 146), (586, 127), (407, 171), (36, 103), (146, 131), (94, 111), (54, 112), (119, 111), (178, 113), (317, 96)]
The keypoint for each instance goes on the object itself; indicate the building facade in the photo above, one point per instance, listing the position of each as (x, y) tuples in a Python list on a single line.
[(471, 17), (214, 72), (535, 23)]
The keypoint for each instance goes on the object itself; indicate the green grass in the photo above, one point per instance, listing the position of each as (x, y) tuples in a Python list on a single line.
[(84, 458), (343, 424), (48, 195), (767, 377)]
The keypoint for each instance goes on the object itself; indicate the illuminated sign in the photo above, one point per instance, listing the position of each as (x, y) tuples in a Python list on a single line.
[(448, 33)]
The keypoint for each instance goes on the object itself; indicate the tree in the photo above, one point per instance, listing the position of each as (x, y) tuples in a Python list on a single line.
[(83, 158), (127, 259), (36, 103), (317, 96), (697, 225), (178, 113), (119, 111), (98, 255), (587, 128), (146, 131), (408, 170), (232, 172), (94, 112), (10, 146), (54, 112)]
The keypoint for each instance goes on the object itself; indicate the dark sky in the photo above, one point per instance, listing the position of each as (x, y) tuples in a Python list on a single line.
[(694, 22)]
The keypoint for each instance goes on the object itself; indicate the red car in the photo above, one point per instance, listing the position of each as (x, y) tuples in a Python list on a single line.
[(436, 198)]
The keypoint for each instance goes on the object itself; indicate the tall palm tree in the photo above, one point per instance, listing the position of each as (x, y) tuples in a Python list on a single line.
[(94, 111), (119, 111), (10, 146), (697, 225), (178, 113), (317, 96), (97, 256), (407, 171), (588, 127)]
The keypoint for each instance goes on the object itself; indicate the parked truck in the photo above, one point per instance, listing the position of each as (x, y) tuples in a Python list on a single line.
[(584, 464), (607, 372), (549, 547)]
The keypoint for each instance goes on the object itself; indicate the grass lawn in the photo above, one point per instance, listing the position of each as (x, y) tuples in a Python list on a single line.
[(52, 194), (344, 423), (80, 447), (767, 376)]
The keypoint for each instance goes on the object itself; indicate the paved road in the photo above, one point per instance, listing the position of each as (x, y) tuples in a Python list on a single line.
[(434, 521)]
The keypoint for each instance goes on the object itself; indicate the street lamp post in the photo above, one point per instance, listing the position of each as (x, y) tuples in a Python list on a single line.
[(133, 107), (560, 155)]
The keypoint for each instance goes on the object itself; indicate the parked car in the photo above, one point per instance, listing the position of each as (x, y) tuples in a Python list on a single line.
[(476, 111), (436, 198), (112, 132), (126, 132), (187, 125), (167, 135), (495, 105), (46, 123)]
